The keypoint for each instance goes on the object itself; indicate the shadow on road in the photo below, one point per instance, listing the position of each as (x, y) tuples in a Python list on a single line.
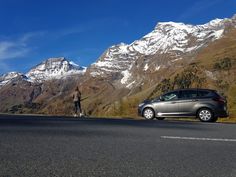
[(39, 121)]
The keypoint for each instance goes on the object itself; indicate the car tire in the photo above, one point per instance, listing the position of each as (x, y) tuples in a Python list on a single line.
[(148, 113), (160, 118), (205, 115)]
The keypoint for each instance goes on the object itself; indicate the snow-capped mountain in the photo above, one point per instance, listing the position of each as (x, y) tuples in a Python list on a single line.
[(54, 68), (11, 76), (169, 41)]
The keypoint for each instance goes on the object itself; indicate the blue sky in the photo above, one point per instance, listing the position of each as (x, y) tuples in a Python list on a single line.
[(81, 30)]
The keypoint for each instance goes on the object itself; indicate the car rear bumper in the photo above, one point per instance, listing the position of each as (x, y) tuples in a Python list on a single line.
[(221, 110), (222, 114)]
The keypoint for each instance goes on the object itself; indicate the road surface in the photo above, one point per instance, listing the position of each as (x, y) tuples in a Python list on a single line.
[(52, 146)]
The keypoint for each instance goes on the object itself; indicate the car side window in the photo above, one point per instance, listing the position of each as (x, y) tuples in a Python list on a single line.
[(188, 94), (170, 96), (203, 93)]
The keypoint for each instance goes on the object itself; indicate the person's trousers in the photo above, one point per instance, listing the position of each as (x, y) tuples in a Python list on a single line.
[(77, 107)]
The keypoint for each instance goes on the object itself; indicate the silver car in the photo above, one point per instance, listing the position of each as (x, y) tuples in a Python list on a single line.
[(205, 104)]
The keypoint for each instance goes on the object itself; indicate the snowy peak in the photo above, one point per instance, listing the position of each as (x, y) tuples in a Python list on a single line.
[(168, 37), (166, 25), (11, 76), (171, 36), (213, 23), (54, 68)]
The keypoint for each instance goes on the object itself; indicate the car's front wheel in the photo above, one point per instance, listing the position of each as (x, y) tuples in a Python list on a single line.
[(205, 115), (148, 113)]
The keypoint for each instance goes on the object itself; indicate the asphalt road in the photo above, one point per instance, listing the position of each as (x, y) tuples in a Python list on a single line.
[(39, 146)]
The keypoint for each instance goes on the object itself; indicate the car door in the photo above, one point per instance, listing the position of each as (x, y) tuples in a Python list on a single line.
[(168, 106), (187, 101)]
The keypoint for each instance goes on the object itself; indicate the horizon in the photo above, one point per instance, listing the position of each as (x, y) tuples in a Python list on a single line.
[(32, 32)]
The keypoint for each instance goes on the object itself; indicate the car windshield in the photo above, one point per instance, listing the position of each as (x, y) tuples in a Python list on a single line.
[(157, 98)]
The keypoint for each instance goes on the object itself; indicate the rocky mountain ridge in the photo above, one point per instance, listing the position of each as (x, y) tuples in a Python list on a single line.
[(10, 77), (168, 42), (52, 68)]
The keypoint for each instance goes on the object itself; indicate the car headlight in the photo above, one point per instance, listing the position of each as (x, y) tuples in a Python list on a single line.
[(141, 104)]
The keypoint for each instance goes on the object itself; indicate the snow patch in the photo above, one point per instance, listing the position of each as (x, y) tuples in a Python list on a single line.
[(218, 34), (146, 67), (157, 68), (126, 77), (177, 59), (130, 85)]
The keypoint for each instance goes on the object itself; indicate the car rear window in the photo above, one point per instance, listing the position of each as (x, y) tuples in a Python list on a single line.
[(204, 93), (218, 94)]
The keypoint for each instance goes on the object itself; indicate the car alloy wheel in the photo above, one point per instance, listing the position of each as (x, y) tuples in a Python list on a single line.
[(205, 115), (148, 114)]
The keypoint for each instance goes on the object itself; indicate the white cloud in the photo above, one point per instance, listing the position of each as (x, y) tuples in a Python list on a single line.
[(19, 47), (28, 36), (10, 49), (15, 48)]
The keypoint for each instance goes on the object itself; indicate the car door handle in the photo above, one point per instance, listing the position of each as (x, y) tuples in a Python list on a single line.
[(173, 102), (195, 100)]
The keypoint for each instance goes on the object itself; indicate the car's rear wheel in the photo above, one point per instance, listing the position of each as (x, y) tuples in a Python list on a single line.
[(148, 113), (205, 115), (160, 118)]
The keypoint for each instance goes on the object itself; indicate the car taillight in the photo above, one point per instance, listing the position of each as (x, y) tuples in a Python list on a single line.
[(220, 100)]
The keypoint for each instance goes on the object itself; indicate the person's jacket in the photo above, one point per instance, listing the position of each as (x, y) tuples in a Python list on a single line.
[(76, 96)]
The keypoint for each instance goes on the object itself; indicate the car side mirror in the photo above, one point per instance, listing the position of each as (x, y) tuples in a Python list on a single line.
[(161, 98)]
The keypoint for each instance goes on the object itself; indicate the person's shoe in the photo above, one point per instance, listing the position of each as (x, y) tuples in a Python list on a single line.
[(75, 115)]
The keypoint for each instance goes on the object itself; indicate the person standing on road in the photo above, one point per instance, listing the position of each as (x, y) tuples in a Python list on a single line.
[(76, 98)]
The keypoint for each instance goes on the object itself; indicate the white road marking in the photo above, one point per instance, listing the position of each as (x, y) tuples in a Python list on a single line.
[(198, 139)]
